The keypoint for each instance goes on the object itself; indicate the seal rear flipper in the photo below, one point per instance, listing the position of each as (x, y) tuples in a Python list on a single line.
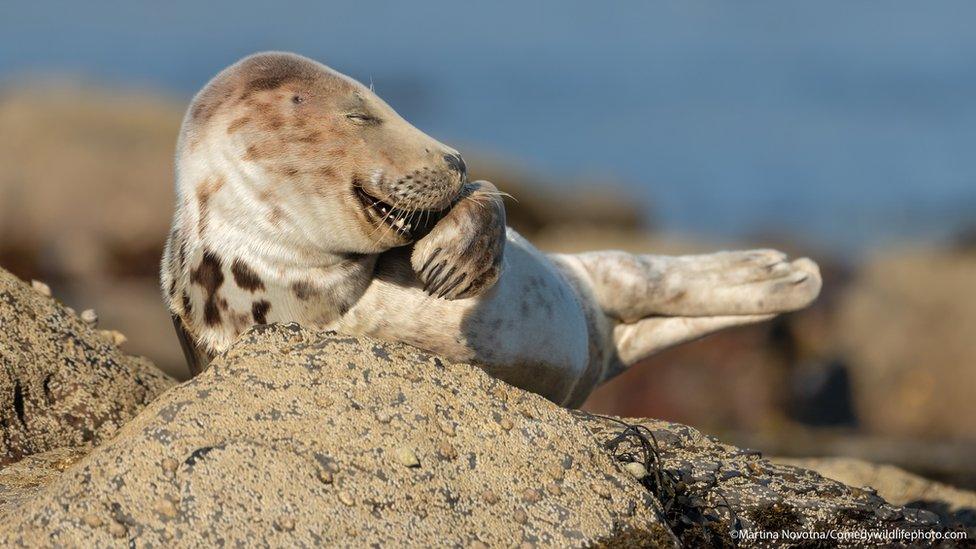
[(197, 359)]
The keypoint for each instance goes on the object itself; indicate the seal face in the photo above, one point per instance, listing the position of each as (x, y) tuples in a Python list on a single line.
[(313, 144), (304, 174)]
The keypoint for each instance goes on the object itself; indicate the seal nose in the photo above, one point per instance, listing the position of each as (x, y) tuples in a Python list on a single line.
[(456, 163)]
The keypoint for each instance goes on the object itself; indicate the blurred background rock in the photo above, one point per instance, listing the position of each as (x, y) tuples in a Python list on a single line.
[(821, 132)]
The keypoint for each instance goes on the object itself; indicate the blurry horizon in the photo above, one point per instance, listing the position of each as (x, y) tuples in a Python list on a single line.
[(845, 124)]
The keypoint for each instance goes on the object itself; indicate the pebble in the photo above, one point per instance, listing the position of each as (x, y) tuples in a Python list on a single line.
[(93, 520), (636, 469), (166, 508), (71, 311), (412, 376), (554, 489), (326, 476), (169, 465), (407, 457), (346, 498), (520, 516), (446, 427), (476, 544), (88, 316), (601, 490), (113, 336), (41, 288), (490, 497), (446, 450), (384, 416), (506, 424), (285, 524), (116, 529), (532, 495), (556, 472)]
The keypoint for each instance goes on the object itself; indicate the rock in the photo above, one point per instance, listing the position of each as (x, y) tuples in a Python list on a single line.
[(897, 486), (636, 469), (907, 326), (88, 316), (705, 505), (251, 441), (62, 386), (41, 288), (279, 443), (407, 457)]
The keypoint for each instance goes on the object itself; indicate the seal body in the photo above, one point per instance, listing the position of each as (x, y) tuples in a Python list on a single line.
[(303, 197)]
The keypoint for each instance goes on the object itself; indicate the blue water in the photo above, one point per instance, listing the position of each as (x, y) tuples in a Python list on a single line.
[(850, 124)]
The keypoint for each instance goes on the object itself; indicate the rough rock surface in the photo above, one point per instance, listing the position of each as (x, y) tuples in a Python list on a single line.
[(896, 485), (61, 384), (709, 489), (294, 438)]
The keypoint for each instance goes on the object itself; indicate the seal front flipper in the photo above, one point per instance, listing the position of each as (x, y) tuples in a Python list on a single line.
[(197, 359), (462, 255)]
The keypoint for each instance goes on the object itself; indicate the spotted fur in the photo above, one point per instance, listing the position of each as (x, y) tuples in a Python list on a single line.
[(302, 196)]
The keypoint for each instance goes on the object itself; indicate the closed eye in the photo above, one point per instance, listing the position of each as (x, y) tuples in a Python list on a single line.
[(363, 118)]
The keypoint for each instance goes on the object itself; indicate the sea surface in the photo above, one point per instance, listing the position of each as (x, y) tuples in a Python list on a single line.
[(848, 124)]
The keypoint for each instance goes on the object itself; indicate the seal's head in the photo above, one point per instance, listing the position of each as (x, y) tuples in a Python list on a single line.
[(302, 153)]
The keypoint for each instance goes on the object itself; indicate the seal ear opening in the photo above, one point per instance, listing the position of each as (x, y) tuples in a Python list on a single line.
[(197, 359)]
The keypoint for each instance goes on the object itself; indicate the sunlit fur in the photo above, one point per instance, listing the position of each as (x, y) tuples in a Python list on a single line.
[(270, 226)]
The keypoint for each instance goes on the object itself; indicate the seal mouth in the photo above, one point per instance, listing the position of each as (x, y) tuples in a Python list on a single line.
[(407, 224)]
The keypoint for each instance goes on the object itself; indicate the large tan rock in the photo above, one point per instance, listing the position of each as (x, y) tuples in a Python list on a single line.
[(297, 437), (907, 327), (294, 438), (61, 383)]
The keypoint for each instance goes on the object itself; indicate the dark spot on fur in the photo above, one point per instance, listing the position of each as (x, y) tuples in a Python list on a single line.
[(259, 310), (238, 124), (274, 122), (244, 277), (187, 308), (275, 216), (205, 190), (209, 276), (327, 172), (252, 153), (303, 290), (311, 137), (240, 321)]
